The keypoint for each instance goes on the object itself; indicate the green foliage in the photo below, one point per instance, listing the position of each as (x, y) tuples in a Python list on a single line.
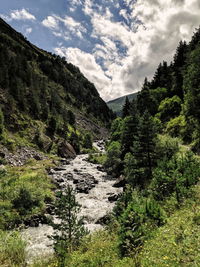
[(23, 193), (175, 176), (177, 242), (71, 117), (167, 147), (33, 88), (12, 249), (113, 161), (87, 141), (176, 126), (99, 249), (129, 132), (139, 165), (97, 158), (69, 231), (137, 221), (116, 105), (126, 108), (116, 129), (169, 108), (24, 202)]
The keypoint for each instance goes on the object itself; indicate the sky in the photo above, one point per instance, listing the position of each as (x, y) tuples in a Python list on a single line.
[(115, 43)]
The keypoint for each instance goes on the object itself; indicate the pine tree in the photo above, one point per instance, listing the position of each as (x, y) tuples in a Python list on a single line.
[(178, 69), (69, 230), (143, 153), (145, 100), (126, 108), (130, 129)]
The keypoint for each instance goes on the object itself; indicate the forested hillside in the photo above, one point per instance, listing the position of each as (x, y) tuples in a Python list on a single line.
[(43, 92), (154, 149)]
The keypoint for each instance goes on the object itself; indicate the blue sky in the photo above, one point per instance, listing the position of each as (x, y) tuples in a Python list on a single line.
[(115, 43)]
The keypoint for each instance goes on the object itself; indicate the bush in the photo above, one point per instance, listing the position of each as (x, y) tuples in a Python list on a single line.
[(87, 141), (169, 107), (24, 201), (175, 176), (137, 221), (113, 162), (166, 147), (176, 127)]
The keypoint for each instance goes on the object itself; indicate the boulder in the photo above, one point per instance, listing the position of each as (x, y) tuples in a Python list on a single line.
[(65, 150), (120, 182)]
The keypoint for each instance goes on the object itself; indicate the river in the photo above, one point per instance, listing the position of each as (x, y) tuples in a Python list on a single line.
[(94, 189)]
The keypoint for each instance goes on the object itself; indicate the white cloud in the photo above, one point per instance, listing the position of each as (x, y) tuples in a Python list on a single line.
[(22, 14), (28, 31), (64, 26), (51, 22), (122, 55), (88, 66), (156, 28)]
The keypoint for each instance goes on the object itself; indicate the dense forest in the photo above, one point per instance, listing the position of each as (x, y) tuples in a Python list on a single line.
[(152, 151)]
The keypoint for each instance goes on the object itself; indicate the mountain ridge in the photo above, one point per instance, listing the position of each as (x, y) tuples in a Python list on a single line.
[(116, 104), (41, 88)]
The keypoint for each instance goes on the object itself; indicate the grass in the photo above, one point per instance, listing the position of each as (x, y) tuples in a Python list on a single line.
[(12, 250), (98, 250), (176, 243), (32, 179)]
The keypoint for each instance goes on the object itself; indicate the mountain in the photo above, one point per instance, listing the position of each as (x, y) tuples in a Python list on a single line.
[(42, 95), (117, 104)]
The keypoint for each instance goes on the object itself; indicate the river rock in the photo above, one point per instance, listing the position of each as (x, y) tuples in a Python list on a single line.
[(84, 182), (113, 197), (103, 220), (68, 176), (59, 169), (121, 182), (100, 168), (64, 161), (65, 150), (57, 180)]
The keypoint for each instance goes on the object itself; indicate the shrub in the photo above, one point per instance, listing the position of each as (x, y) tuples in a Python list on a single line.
[(113, 161), (166, 147), (175, 127), (137, 221)]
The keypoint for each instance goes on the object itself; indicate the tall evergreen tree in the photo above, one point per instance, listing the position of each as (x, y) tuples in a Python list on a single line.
[(130, 130), (145, 100), (126, 108), (143, 153), (178, 69)]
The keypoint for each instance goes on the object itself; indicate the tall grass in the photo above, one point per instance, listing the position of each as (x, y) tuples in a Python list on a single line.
[(12, 249)]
